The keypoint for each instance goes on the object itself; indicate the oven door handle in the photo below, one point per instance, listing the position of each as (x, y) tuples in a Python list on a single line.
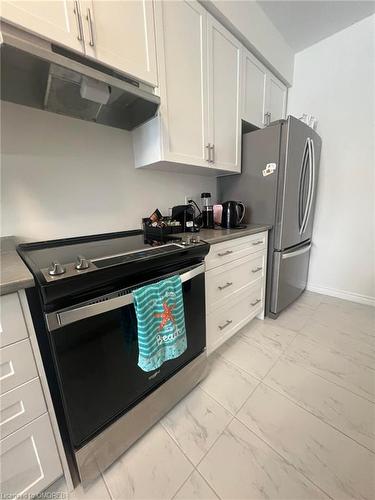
[(64, 317)]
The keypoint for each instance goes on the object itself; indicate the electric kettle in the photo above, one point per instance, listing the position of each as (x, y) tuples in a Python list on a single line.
[(233, 214)]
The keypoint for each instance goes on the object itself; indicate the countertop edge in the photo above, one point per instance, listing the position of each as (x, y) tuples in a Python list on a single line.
[(15, 275), (12, 262), (231, 234)]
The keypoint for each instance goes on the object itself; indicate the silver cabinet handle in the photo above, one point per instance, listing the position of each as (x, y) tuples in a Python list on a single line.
[(223, 287), (227, 323), (222, 254), (256, 269), (212, 153), (77, 13), (255, 303), (208, 148), (91, 29), (258, 242)]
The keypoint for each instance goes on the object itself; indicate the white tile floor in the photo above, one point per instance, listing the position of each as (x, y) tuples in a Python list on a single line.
[(286, 412)]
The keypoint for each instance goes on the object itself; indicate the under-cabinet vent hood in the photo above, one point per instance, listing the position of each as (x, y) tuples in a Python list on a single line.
[(43, 76)]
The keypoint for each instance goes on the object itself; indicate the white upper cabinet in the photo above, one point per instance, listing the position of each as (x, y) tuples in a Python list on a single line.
[(224, 71), (183, 81), (254, 89), (264, 96), (56, 20), (199, 75), (276, 98), (122, 35)]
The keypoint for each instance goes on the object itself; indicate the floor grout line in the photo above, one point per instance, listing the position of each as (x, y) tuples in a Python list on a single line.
[(289, 357), (293, 401), (284, 458), (106, 485)]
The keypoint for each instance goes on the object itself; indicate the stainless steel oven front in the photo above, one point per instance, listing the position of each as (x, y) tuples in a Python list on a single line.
[(109, 401)]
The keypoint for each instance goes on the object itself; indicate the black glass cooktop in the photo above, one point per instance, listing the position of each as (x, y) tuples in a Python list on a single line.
[(102, 250), (112, 260)]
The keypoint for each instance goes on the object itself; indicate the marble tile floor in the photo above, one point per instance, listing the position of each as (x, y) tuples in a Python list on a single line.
[(287, 412)]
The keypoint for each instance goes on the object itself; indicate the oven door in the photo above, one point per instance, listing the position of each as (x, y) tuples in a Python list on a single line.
[(95, 349)]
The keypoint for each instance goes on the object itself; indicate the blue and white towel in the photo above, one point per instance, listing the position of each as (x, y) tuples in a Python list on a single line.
[(161, 322)]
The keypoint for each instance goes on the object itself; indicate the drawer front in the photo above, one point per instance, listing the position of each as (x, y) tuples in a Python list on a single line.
[(29, 460), (225, 281), (228, 251), (13, 327), (17, 365), (225, 322), (20, 406)]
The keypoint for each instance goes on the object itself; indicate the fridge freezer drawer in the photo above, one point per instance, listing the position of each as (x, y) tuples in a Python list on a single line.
[(289, 276)]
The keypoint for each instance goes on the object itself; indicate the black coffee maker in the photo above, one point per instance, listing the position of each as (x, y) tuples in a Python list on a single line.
[(233, 214)]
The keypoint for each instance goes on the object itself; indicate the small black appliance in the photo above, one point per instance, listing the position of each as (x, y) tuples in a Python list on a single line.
[(207, 211), (184, 214), (233, 214)]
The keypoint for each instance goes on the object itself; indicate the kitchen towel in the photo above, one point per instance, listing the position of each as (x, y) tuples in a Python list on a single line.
[(161, 322)]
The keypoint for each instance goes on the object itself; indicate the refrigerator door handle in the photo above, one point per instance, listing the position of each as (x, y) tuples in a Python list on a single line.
[(297, 252), (308, 203), (312, 155), (301, 184)]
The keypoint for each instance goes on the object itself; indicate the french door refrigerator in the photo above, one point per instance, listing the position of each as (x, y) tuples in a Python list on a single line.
[(278, 184)]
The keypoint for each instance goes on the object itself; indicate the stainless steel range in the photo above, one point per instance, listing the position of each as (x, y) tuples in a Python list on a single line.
[(83, 313)]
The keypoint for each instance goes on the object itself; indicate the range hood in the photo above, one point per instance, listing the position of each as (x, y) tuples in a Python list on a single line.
[(41, 75)]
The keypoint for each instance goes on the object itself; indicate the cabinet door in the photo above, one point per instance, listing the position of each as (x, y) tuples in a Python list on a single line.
[(224, 63), (182, 45), (254, 90), (29, 460), (276, 98), (12, 323), (57, 21), (122, 35)]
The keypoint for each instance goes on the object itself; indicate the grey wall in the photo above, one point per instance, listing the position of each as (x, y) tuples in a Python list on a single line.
[(334, 81), (65, 177)]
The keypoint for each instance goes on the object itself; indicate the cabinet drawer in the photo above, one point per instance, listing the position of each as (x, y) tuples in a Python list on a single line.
[(20, 406), (228, 251), (225, 281), (17, 365), (13, 327), (225, 322), (29, 460)]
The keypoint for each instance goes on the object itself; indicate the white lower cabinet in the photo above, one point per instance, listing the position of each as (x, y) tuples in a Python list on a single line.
[(17, 365), (29, 459), (20, 406), (235, 288), (28, 462)]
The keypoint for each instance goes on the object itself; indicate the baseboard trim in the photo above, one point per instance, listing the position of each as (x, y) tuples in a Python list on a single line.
[(342, 294)]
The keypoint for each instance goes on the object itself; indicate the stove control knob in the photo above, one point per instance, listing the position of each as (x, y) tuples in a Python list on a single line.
[(56, 269), (82, 263)]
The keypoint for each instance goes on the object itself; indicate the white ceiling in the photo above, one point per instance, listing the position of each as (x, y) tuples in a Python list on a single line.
[(303, 23)]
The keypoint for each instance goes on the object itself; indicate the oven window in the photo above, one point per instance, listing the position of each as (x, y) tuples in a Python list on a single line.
[(96, 360)]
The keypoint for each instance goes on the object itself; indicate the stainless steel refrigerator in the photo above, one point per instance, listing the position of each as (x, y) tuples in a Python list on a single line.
[(278, 185)]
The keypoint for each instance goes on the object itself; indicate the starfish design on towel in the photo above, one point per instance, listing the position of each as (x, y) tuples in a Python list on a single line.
[(166, 315)]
